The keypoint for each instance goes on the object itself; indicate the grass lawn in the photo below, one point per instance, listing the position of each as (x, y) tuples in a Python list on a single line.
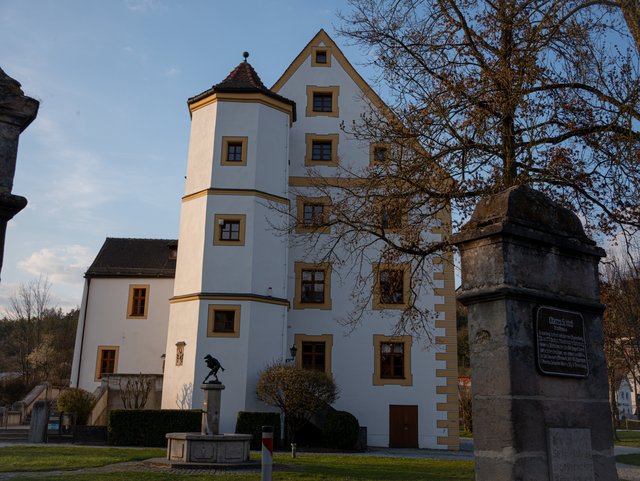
[(629, 438), (305, 467), (49, 458)]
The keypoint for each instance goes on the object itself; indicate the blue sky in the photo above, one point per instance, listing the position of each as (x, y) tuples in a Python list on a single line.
[(106, 155)]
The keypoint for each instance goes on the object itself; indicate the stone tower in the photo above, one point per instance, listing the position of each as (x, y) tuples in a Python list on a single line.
[(230, 296)]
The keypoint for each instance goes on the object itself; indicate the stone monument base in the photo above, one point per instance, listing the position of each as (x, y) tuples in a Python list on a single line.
[(213, 450)]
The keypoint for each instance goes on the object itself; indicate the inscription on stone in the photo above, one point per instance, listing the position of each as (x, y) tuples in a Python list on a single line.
[(570, 454), (561, 345)]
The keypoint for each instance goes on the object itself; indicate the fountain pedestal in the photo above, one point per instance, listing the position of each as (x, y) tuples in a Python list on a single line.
[(209, 448)]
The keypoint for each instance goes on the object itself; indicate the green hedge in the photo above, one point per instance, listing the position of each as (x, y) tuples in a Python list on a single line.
[(252, 422), (146, 427), (340, 430)]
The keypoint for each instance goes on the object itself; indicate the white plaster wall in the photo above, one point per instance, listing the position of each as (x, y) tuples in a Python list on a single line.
[(191, 246), (141, 342), (353, 354), (203, 124), (269, 262)]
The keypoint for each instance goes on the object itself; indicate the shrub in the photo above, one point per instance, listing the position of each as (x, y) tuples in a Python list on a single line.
[(340, 430), (148, 427), (78, 401), (252, 422)]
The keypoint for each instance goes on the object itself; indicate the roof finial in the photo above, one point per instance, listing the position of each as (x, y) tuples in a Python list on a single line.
[(245, 55)]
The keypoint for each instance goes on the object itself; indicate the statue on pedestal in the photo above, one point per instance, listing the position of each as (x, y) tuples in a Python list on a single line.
[(215, 366)]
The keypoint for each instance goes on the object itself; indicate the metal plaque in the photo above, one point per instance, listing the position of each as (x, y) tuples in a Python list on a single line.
[(561, 344)]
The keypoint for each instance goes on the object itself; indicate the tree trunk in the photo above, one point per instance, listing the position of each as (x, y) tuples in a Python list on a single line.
[(631, 10)]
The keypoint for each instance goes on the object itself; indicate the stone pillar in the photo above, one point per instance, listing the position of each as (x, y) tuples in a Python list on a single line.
[(539, 381), (39, 422), (211, 408), (17, 111)]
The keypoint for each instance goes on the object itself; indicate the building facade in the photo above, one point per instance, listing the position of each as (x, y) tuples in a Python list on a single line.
[(246, 290)]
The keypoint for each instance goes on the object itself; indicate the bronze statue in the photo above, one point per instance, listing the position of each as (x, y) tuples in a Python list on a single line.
[(215, 366)]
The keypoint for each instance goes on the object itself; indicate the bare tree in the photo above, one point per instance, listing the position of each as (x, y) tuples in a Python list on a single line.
[(484, 95), (631, 11)]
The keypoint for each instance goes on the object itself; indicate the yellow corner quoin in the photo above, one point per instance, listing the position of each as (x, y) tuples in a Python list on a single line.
[(240, 192)]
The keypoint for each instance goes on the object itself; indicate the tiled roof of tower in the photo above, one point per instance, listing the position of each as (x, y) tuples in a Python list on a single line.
[(243, 79), (135, 258)]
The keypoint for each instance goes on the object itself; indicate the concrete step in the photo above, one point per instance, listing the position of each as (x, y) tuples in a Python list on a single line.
[(14, 435)]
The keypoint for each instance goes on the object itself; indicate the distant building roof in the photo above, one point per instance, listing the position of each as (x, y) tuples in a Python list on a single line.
[(135, 258), (243, 79)]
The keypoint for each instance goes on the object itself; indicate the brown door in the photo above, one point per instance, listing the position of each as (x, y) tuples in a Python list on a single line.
[(403, 426)]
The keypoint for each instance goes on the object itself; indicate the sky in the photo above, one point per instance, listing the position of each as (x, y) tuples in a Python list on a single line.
[(106, 155)]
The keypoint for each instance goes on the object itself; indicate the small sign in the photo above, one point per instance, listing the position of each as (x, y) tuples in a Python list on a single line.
[(561, 344), (570, 454)]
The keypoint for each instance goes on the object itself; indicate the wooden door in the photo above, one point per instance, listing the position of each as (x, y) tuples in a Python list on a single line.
[(403, 426)]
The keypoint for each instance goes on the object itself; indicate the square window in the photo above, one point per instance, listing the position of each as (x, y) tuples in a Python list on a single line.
[(312, 286), (138, 301), (392, 360), (223, 320), (321, 56), (229, 229), (314, 352), (313, 356), (313, 215), (379, 154), (391, 217), (321, 150), (322, 101), (234, 152)]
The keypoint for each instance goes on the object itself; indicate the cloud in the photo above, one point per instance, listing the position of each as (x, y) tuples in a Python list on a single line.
[(172, 71), (140, 5), (64, 264)]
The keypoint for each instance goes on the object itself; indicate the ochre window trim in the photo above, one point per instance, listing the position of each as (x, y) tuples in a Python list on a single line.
[(297, 301), (219, 220), (372, 149), (226, 140), (132, 288), (328, 349), (315, 50), (308, 158), (405, 267), (378, 340), (300, 203), (314, 89), (211, 319), (101, 349)]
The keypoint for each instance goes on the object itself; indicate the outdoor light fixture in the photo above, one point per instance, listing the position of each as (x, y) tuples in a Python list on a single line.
[(293, 350)]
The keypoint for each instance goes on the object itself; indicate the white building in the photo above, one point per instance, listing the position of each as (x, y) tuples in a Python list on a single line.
[(244, 293)]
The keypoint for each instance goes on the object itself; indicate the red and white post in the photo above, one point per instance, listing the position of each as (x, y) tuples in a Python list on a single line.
[(267, 452)]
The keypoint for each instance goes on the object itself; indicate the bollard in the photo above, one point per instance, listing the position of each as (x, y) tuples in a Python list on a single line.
[(267, 452), (294, 449)]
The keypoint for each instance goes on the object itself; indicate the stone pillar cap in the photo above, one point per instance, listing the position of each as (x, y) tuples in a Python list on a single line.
[(15, 107)]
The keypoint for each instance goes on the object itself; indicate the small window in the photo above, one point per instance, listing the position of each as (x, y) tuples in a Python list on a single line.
[(313, 356), (313, 214), (314, 352), (392, 218), (378, 153), (322, 101), (229, 229), (107, 361), (322, 150), (234, 151), (312, 286), (392, 360), (138, 301), (391, 286), (223, 320), (321, 56)]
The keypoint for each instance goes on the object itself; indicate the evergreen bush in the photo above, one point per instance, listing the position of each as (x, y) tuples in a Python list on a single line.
[(78, 401), (252, 422), (148, 427), (340, 430)]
